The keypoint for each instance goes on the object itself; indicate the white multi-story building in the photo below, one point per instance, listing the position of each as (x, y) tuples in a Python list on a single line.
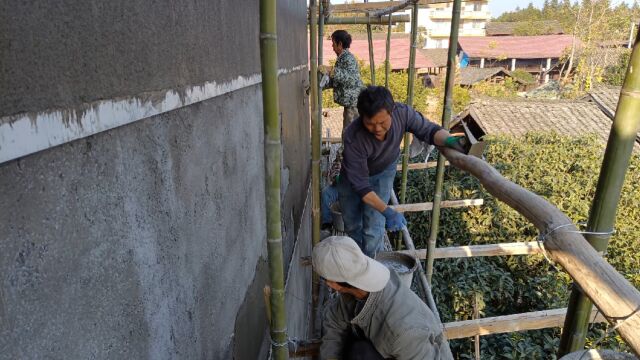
[(435, 19)]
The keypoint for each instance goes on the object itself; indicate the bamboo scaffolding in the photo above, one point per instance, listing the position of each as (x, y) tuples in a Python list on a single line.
[(510, 323), (387, 64), (614, 296), (272, 149), (603, 210), (332, 20), (420, 166), (316, 134), (503, 249), (446, 118), (444, 204), (411, 74), (424, 284), (372, 65)]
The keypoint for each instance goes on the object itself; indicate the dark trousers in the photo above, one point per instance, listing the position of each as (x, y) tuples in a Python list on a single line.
[(362, 350)]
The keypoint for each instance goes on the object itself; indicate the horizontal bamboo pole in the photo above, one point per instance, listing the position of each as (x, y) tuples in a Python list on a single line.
[(378, 5), (420, 166), (505, 249), (444, 204), (511, 323), (616, 297), (383, 20), (333, 140)]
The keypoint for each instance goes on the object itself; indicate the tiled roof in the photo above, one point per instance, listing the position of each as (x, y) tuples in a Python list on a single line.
[(606, 96), (471, 75), (332, 122), (398, 54), (517, 117), (518, 47), (437, 56), (497, 28)]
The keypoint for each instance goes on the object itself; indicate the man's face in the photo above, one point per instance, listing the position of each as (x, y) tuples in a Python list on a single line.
[(379, 124), (335, 286), (337, 47)]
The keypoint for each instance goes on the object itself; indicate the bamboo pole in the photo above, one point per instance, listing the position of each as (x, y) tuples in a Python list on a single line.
[(372, 65), (444, 204), (468, 251), (510, 323), (332, 20), (394, 8), (272, 149), (446, 118), (614, 296), (603, 210), (411, 74), (424, 284), (316, 134), (387, 64)]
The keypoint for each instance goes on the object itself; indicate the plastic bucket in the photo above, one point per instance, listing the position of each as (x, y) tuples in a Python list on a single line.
[(336, 214), (403, 264)]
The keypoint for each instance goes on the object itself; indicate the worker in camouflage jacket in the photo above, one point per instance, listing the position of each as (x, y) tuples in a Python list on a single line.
[(344, 76), (375, 316)]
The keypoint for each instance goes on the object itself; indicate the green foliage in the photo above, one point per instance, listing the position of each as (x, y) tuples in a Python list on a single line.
[(509, 89), (523, 75), (564, 171), (614, 74)]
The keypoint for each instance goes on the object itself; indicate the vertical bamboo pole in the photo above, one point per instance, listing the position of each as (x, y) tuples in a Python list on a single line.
[(446, 118), (320, 62), (316, 134), (272, 149), (387, 64), (372, 64), (603, 210), (411, 73)]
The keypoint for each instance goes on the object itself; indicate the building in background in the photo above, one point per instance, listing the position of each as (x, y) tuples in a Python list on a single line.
[(436, 21)]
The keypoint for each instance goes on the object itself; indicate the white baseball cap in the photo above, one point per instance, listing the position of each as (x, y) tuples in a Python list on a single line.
[(339, 259)]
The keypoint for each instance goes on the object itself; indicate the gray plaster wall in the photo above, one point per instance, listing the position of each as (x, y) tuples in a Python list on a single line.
[(146, 241), (56, 54)]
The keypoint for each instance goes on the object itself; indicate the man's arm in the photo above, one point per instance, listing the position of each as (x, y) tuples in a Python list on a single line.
[(394, 220), (432, 133), (335, 328)]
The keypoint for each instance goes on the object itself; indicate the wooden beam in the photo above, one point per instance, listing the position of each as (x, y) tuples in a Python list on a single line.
[(419, 166), (337, 20), (505, 249), (333, 140), (614, 295), (444, 204), (511, 323), (372, 6)]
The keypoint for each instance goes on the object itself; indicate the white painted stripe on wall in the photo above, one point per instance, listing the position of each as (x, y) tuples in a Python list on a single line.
[(28, 133)]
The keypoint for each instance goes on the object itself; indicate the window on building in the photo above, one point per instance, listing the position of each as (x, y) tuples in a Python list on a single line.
[(437, 44), (478, 24), (477, 6)]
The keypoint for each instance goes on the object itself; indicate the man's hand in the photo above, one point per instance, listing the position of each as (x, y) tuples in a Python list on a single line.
[(457, 143), (324, 69), (395, 220)]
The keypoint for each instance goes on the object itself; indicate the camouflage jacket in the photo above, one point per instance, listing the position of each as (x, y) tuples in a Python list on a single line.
[(346, 81)]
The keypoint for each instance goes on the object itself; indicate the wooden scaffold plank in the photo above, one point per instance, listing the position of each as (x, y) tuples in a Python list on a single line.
[(504, 249), (444, 204), (511, 323)]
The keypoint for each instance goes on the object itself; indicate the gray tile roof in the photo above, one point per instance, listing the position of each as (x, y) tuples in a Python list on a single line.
[(437, 56), (471, 75), (606, 96), (497, 28), (517, 117)]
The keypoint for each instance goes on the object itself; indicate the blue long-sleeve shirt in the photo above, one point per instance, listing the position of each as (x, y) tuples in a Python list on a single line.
[(365, 156)]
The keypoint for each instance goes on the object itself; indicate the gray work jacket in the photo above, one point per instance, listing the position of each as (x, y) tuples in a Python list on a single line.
[(395, 320)]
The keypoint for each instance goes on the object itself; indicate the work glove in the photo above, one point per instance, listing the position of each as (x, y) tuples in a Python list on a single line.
[(458, 143), (395, 220)]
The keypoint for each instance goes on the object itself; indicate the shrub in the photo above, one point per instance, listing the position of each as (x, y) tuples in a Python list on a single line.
[(564, 171)]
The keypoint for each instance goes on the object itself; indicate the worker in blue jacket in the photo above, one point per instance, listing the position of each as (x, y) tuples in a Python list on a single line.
[(371, 152)]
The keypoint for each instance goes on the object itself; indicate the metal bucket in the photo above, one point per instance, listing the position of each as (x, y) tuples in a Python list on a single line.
[(336, 214), (403, 264)]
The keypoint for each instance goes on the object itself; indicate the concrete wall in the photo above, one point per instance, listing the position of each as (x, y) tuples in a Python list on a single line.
[(146, 240)]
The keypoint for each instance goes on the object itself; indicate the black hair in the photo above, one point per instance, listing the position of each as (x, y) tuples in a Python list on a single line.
[(343, 37), (346, 285), (372, 99)]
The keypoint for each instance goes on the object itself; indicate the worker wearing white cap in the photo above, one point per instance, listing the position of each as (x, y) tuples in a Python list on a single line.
[(375, 316)]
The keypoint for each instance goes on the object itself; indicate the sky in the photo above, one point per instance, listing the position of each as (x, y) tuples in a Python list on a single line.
[(497, 7)]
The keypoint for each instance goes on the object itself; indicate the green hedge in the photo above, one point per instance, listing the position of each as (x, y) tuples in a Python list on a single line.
[(563, 170)]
